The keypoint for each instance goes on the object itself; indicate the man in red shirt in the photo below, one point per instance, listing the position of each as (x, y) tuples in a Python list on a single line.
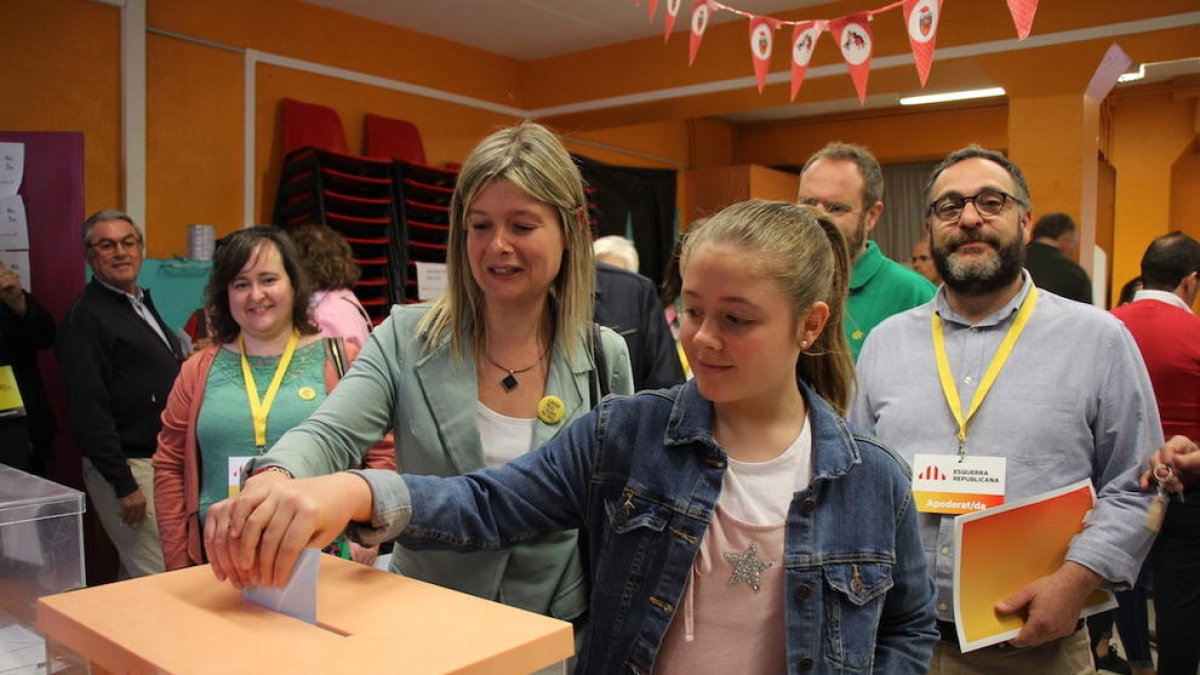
[(1168, 335)]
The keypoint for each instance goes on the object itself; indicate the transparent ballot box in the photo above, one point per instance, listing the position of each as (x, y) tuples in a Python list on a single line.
[(41, 553)]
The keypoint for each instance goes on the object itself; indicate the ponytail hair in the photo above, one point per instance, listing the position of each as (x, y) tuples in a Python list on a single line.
[(804, 253)]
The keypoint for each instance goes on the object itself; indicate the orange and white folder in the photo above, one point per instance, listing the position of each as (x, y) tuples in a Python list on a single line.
[(999, 551)]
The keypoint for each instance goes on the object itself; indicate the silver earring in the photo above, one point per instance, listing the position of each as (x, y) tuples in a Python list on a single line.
[(804, 344)]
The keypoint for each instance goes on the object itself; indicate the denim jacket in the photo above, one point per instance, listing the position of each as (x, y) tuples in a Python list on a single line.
[(640, 476)]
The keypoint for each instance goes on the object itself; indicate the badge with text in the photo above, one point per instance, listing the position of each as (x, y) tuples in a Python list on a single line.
[(236, 465), (950, 484)]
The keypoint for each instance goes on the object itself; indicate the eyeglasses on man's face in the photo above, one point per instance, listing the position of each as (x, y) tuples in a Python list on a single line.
[(987, 202), (109, 246)]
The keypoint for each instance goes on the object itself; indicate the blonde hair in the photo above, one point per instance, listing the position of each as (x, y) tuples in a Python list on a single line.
[(529, 156), (804, 253)]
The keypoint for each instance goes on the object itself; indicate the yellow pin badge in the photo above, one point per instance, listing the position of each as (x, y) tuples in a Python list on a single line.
[(307, 393), (550, 410)]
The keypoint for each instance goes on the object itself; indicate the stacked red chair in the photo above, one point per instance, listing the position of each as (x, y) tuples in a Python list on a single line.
[(421, 192), (322, 183)]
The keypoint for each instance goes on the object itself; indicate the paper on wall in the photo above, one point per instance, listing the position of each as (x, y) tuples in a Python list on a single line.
[(14, 227), (12, 167), (431, 280), (18, 261)]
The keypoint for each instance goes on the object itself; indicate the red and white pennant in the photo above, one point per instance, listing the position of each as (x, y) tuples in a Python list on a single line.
[(852, 33)]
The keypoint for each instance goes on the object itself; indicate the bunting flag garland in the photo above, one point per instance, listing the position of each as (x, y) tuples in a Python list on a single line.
[(804, 41), (672, 10), (762, 39), (700, 13), (854, 39), (1022, 14), (852, 32), (921, 18)]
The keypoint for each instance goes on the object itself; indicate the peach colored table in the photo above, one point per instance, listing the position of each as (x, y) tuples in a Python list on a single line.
[(371, 621)]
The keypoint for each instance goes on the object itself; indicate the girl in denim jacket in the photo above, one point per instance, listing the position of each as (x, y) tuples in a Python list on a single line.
[(733, 524)]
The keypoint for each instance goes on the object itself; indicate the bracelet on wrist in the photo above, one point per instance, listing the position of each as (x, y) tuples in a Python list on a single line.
[(278, 469)]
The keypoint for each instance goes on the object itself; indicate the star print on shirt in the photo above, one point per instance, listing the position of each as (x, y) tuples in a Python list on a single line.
[(748, 567)]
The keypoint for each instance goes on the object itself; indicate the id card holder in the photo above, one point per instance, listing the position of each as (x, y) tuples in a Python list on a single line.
[(236, 466), (952, 484), (11, 403)]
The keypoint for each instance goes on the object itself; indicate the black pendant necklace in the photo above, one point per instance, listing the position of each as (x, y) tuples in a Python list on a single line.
[(509, 382)]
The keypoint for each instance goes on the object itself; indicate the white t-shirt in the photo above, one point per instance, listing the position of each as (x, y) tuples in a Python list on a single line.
[(504, 438), (759, 493)]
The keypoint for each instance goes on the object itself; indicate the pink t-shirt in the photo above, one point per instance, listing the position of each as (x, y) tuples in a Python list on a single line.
[(731, 618), (725, 624), (338, 313)]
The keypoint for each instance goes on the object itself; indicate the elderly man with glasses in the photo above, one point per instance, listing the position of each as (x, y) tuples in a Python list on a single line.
[(119, 360), (1030, 388)]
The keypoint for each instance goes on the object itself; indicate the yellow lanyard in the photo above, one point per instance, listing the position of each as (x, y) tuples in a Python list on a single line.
[(950, 389), (260, 409)]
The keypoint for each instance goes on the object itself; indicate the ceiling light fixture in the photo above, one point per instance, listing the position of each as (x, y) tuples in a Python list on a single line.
[(952, 96)]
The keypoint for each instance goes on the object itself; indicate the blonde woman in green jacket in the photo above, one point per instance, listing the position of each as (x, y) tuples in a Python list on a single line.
[(506, 358)]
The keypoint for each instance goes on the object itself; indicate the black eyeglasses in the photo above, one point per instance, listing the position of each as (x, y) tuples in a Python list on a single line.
[(989, 203), (108, 246)]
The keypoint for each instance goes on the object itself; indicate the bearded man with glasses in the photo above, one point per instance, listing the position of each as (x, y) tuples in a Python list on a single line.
[(847, 181), (119, 360), (1037, 390)]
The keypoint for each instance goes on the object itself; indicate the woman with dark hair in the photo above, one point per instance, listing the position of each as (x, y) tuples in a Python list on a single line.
[(266, 371), (330, 266)]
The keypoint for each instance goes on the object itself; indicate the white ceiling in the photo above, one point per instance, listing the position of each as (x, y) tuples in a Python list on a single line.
[(534, 29)]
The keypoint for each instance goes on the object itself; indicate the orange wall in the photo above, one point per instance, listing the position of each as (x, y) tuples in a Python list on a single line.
[(452, 130), (894, 136), (62, 75), (656, 141), (1185, 191), (193, 142), (196, 96), (67, 78), (1152, 131)]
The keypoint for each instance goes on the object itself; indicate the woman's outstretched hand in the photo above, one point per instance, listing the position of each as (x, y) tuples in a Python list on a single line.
[(254, 539)]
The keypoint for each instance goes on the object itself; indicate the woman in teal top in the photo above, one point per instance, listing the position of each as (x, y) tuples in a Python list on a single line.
[(267, 372), (503, 361), (225, 428)]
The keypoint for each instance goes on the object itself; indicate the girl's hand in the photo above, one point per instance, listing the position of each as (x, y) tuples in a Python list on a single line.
[(255, 538)]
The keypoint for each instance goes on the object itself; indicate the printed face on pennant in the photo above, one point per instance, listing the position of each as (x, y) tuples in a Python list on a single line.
[(700, 19), (673, 7), (922, 23), (760, 41), (855, 43), (802, 51)]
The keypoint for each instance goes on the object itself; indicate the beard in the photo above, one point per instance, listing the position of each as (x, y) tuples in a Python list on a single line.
[(856, 243), (980, 276)]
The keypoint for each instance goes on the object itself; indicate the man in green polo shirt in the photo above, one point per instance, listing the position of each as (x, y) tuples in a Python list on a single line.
[(847, 182)]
